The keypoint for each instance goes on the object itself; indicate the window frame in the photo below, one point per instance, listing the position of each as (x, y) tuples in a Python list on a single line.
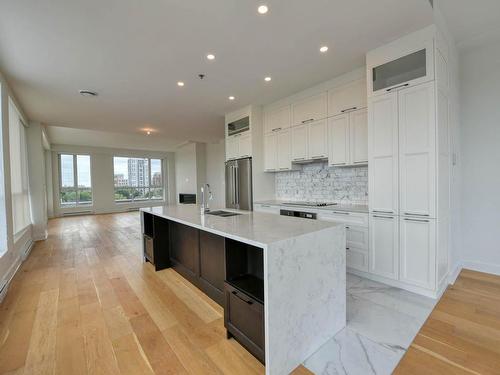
[(149, 187), (75, 187)]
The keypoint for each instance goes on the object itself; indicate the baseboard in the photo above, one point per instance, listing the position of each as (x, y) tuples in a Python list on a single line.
[(453, 275), (9, 275), (482, 267)]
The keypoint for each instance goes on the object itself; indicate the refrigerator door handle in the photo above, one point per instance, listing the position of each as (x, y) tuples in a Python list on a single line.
[(236, 186)]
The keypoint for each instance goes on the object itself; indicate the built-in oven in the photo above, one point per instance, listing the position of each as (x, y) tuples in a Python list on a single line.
[(238, 126), (301, 214)]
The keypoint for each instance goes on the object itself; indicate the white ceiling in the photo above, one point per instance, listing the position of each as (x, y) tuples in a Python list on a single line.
[(472, 22), (133, 53)]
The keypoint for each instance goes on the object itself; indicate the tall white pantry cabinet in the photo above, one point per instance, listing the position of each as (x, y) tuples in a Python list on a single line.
[(409, 162)]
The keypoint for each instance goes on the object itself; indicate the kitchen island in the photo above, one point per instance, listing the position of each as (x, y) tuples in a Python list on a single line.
[(281, 280)]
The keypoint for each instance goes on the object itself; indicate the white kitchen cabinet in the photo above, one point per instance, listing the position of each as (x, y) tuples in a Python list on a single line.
[(348, 138), (417, 150), (317, 140), (300, 150), (284, 150), (277, 119), (357, 237), (277, 151), (418, 252), (239, 146), (384, 246), (359, 219), (338, 139), (232, 148), (309, 109), (357, 259), (358, 127), (347, 98), (383, 144), (245, 145), (270, 152)]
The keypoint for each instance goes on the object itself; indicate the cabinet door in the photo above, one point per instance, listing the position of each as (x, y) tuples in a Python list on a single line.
[(277, 119), (384, 246), (184, 248), (358, 124), (212, 267), (357, 237), (283, 141), (418, 252), (357, 259), (299, 143), (232, 147), (338, 140), (417, 150), (309, 109), (270, 152), (347, 98), (383, 180), (317, 140), (245, 145)]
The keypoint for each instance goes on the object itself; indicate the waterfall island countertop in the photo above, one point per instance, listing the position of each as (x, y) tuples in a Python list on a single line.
[(302, 273)]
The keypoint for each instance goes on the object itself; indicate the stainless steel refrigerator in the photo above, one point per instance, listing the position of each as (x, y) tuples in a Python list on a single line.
[(239, 184)]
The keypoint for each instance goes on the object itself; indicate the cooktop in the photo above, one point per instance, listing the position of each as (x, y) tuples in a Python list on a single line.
[(310, 204)]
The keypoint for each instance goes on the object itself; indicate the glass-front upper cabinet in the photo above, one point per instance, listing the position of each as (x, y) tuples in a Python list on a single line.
[(390, 69)]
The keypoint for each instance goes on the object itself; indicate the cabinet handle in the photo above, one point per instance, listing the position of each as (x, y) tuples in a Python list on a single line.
[(245, 156), (410, 214), (347, 227), (347, 248), (417, 220), (298, 159), (397, 87), (276, 129), (244, 300), (283, 169), (361, 162), (308, 120), (383, 212), (265, 205), (384, 217), (340, 213), (349, 109), (319, 157)]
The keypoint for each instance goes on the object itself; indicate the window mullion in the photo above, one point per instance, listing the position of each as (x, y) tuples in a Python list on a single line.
[(75, 180)]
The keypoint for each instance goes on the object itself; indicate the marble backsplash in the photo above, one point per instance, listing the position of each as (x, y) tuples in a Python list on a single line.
[(319, 182)]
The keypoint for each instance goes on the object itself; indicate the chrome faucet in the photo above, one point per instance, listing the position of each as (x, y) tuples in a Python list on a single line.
[(205, 189)]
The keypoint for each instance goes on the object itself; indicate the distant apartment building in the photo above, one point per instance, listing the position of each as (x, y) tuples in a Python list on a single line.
[(120, 180), (138, 172)]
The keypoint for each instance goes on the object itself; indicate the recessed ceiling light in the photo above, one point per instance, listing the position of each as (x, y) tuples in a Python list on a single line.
[(262, 9), (323, 49), (87, 93), (211, 56), (180, 83), (148, 132), (231, 98), (267, 79)]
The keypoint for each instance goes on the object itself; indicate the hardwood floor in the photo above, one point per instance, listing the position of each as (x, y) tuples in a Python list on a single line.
[(85, 303), (462, 334)]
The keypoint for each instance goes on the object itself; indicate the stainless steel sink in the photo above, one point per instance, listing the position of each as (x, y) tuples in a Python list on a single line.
[(222, 213)]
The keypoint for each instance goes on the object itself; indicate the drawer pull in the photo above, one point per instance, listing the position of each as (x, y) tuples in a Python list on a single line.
[(384, 217), (349, 109), (298, 159), (276, 129), (319, 157), (347, 248), (244, 300), (411, 214), (341, 213), (383, 212), (397, 87), (308, 120), (284, 169), (417, 220), (347, 227)]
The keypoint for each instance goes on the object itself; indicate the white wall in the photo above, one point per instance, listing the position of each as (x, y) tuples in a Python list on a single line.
[(480, 112), (102, 175), (190, 168), (215, 162), (37, 181), (16, 248)]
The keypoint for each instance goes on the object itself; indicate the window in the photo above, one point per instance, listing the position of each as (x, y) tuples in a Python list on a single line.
[(138, 179), (21, 214), (75, 188)]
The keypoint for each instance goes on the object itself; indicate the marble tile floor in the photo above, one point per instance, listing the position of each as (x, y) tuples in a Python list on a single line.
[(381, 323)]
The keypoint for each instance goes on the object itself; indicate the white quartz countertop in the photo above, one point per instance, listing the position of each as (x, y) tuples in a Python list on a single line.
[(254, 228), (362, 208)]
